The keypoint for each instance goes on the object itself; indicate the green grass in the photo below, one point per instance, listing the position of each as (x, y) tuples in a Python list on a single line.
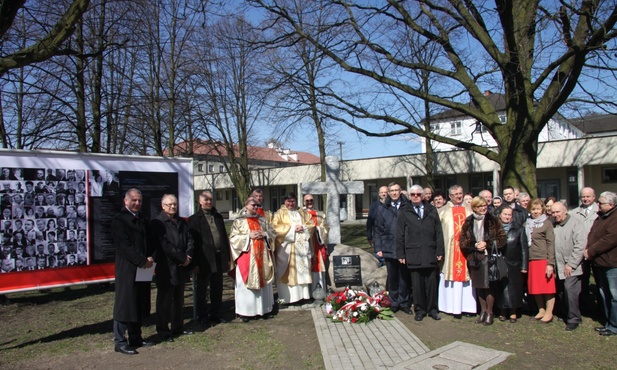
[(41, 328)]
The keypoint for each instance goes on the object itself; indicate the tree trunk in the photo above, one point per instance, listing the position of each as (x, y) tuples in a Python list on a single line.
[(518, 166)]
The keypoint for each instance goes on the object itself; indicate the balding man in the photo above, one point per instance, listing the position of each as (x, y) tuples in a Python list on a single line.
[(455, 291), (570, 242), (587, 212), (488, 197)]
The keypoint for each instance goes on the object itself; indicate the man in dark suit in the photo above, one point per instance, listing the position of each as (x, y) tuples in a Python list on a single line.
[(132, 251), (110, 187), (420, 246), (212, 256), (174, 252)]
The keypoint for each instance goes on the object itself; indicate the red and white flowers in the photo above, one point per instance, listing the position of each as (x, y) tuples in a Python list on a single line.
[(357, 306)]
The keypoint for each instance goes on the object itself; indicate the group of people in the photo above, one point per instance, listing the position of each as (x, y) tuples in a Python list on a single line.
[(287, 248), (441, 256), (43, 222)]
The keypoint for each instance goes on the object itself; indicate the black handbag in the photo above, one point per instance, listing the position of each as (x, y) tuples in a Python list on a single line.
[(497, 266)]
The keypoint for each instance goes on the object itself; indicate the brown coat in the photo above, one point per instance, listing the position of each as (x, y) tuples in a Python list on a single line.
[(493, 234), (602, 240)]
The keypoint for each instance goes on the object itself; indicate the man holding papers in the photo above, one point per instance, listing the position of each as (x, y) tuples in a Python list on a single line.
[(132, 298)]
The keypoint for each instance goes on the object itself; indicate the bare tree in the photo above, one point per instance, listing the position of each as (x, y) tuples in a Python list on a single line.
[(538, 53), (228, 77), (301, 72), (47, 46)]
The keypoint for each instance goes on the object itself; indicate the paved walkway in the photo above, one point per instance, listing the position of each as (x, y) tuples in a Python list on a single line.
[(389, 344)]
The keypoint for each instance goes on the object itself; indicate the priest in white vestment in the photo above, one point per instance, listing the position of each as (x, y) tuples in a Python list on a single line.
[(251, 239), (293, 227), (455, 292), (319, 243)]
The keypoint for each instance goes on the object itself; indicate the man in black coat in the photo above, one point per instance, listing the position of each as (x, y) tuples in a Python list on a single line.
[(384, 241), (420, 246), (212, 256), (174, 252), (520, 213), (132, 251)]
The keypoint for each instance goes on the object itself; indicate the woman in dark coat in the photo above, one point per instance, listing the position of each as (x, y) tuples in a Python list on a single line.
[(516, 252), (478, 235)]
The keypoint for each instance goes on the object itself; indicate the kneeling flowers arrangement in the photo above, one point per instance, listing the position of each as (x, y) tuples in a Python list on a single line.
[(357, 306)]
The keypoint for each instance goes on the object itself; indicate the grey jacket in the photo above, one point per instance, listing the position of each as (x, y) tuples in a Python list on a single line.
[(570, 242), (588, 220)]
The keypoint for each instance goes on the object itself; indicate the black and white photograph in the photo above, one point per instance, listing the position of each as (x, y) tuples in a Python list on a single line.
[(43, 214)]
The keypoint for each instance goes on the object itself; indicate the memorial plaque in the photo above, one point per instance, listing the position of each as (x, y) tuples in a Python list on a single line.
[(347, 271)]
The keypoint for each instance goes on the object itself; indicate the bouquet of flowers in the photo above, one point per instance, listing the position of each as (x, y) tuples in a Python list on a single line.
[(357, 306)]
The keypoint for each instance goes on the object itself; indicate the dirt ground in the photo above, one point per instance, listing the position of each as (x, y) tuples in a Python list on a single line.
[(72, 330)]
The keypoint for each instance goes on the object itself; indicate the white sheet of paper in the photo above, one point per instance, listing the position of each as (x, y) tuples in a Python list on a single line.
[(145, 274)]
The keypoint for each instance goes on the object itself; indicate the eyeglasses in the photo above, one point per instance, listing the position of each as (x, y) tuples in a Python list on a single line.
[(253, 204), (603, 203), (170, 205), (309, 200), (415, 194)]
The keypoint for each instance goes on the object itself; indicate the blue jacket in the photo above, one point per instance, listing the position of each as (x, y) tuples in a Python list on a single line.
[(384, 234)]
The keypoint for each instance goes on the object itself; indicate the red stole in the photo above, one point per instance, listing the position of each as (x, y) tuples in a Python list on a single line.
[(319, 252), (459, 262), (257, 250), (260, 211)]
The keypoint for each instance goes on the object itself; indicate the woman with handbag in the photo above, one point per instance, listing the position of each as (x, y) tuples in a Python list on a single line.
[(541, 280), (516, 252), (480, 234)]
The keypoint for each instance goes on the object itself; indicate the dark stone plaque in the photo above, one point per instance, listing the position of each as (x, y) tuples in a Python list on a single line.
[(347, 271)]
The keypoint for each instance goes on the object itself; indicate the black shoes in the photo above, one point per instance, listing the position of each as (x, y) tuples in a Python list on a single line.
[(435, 316), (571, 326), (185, 332), (407, 310), (419, 316), (126, 350), (394, 309), (168, 339), (605, 332), (218, 320)]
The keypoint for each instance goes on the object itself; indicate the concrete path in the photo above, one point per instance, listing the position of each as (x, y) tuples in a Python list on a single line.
[(389, 344)]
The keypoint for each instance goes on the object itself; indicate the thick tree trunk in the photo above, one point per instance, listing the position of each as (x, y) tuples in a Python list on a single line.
[(518, 167)]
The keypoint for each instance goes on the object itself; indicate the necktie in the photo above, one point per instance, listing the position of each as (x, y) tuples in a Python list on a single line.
[(419, 211), (586, 212)]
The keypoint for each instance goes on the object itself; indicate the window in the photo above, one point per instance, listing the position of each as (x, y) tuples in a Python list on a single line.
[(210, 168), (200, 167), (221, 168), (549, 188), (455, 128), (434, 127), (503, 118), (219, 194), (609, 174)]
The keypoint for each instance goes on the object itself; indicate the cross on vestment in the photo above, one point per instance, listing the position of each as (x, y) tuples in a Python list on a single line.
[(333, 188)]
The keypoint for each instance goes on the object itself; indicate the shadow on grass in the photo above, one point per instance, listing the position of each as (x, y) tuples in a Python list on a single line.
[(60, 294), (103, 327)]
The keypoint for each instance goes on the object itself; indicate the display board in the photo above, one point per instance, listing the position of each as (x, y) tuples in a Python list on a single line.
[(57, 209)]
